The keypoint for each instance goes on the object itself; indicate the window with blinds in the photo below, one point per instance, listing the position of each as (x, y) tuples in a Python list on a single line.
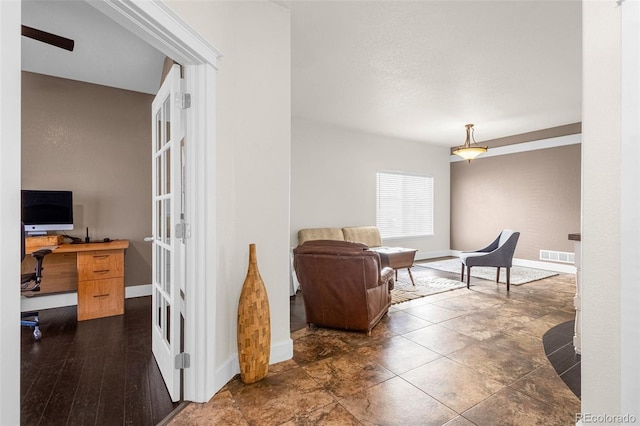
[(404, 205)]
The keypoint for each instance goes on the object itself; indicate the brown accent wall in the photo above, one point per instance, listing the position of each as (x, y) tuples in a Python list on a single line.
[(535, 192), (95, 141), (166, 67)]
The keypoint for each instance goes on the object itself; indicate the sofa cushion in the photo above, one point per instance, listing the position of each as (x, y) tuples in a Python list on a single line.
[(369, 235), (311, 234), (338, 248)]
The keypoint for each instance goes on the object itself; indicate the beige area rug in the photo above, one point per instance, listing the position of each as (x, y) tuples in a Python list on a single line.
[(426, 284), (519, 274)]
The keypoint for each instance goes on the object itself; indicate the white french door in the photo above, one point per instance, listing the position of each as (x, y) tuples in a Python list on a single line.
[(168, 257)]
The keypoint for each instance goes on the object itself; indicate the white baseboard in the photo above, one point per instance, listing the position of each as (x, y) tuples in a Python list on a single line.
[(547, 266), (137, 291), (48, 301), (225, 373), (536, 264), (423, 255), (281, 351), (59, 300)]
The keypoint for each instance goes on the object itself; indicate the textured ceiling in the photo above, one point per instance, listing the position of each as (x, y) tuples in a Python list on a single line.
[(421, 70), (417, 70)]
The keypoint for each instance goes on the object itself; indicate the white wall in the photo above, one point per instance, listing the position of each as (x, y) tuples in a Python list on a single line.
[(601, 206), (630, 210), (9, 212), (253, 156), (333, 180)]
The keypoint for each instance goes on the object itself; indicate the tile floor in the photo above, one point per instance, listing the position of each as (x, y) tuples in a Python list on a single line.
[(464, 357)]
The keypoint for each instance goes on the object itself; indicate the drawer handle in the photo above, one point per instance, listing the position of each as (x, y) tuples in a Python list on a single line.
[(102, 271), (101, 295), (101, 256)]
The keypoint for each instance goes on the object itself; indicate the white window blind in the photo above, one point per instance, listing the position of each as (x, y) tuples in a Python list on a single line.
[(405, 205)]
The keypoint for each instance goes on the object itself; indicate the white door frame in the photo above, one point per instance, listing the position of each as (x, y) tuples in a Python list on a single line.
[(155, 23), (10, 128), (159, 26), (630, 208)]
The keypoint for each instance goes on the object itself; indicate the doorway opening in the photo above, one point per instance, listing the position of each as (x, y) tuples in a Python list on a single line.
[(158, 26)]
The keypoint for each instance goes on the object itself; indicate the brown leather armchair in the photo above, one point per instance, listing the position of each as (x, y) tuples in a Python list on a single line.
[(343, 284)]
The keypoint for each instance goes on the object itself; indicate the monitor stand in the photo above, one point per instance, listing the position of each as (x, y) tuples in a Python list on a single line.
[(36, 233)]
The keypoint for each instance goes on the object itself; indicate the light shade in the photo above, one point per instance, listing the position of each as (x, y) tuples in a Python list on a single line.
[(469, 151)]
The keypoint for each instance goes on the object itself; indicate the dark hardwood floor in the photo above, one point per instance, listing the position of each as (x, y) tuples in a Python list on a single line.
[(297, 316), (97, 372), (558, 346)]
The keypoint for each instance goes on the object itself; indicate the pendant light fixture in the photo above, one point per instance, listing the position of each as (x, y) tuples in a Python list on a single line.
[(470, 149)]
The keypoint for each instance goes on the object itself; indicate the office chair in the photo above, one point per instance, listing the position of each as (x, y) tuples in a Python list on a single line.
[(31, 282)]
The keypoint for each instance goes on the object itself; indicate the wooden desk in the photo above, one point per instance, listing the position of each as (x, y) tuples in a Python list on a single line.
[(94, 270)]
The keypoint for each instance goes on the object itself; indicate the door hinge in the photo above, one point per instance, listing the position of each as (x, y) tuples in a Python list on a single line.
[(183, 360), (183, 100), (183, 230)]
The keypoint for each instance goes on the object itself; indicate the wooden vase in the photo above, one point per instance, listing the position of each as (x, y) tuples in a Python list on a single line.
[(254, 324)]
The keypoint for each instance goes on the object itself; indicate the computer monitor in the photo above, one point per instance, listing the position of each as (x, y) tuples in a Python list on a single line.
[(44, 211)]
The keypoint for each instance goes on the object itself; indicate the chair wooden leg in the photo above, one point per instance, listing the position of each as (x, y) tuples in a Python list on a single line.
[(498, 275), (462, 273), (508, 278), (468, 276)]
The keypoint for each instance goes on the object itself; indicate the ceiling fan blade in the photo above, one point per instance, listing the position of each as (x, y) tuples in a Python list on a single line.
[(45, 37)]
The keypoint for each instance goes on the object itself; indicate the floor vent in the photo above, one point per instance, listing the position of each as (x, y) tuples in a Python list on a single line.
[(557, 256)]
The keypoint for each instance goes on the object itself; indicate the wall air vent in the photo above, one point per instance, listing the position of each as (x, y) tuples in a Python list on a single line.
[(557, 256)]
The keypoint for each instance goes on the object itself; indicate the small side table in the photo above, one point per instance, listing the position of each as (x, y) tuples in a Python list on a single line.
[(397, 258)]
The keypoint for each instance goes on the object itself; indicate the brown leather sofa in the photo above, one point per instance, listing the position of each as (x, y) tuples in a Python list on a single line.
[(343, 284)]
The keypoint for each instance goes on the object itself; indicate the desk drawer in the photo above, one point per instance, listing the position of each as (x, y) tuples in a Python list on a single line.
[(100, 298), (97, 265)]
